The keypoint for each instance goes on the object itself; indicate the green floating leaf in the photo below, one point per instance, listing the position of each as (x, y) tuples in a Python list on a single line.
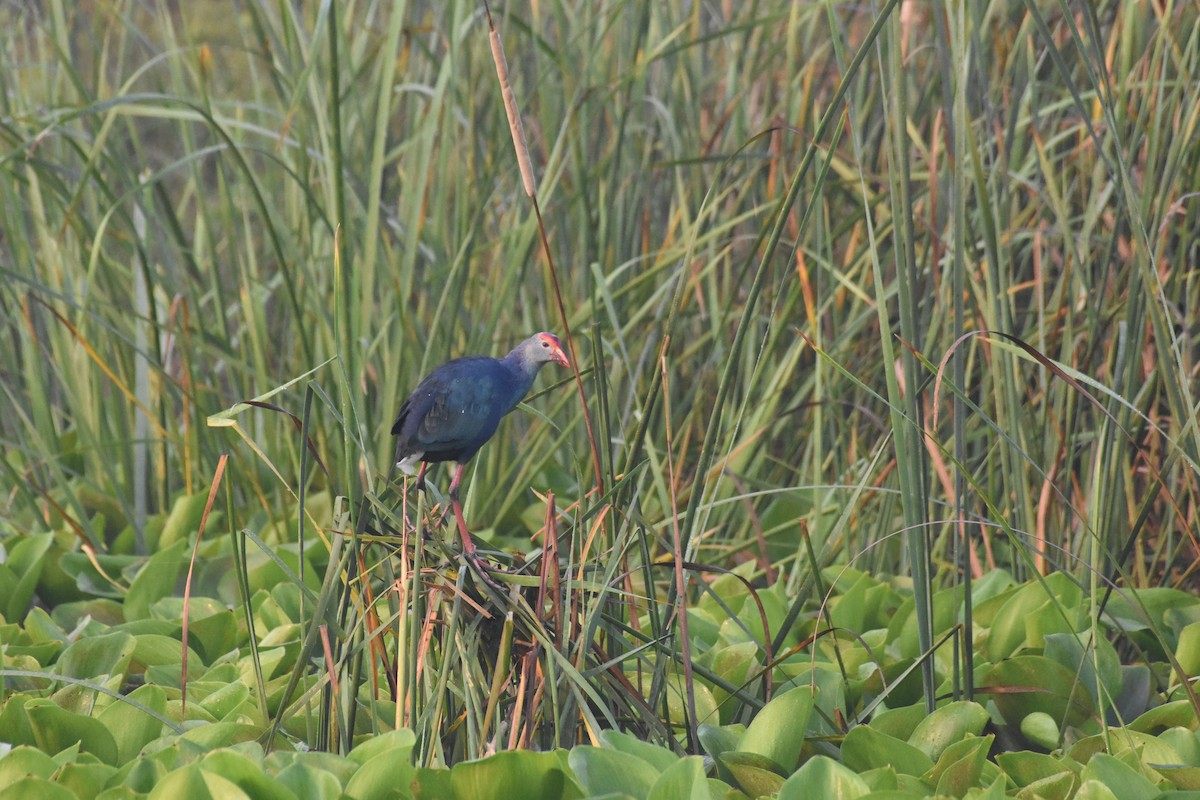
[(682, 780), (823, 777), (658, 757), (1187, 652), (516, 773), (1041, 729), (193, 783), (603, 770), (754, 774), (20, 572), (131, 727), (960, 766), (1060, 786), (384, 774), (14, 720), (157, 579), (1121, 779), (778, 730), (310, 783), (83, 780), (220, 734), (899, 723), (1025, 684), (1176, 714), (182, 521), (1093, 659), (1185, 779), (1025, 767), (25, 761), (37, 789), (55, 729), (864, 748), (100, 656), (432, 783), (245, 773), (1030, 610), (946, 725)]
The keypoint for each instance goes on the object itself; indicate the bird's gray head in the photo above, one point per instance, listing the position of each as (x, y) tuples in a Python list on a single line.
[(540, 349)]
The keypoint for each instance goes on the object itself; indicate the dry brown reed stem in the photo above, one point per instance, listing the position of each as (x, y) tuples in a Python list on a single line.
[(517, 129), (187, 585), (510, 108)]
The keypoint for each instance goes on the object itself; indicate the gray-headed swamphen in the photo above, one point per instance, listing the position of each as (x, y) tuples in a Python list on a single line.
[(458, 406)]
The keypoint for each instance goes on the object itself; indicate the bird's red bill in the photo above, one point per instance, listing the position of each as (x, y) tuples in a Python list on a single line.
[(559, 356)]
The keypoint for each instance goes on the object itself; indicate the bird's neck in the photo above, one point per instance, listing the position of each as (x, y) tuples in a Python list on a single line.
[(523, 372)]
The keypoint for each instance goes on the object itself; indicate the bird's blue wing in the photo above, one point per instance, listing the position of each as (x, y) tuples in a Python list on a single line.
[(461, 411)]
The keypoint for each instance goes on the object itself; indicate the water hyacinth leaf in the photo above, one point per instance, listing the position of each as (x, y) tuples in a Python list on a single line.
[(433, 782), (55, 729), (156, 580), (216, 634), (131, 727), (1177, 713), (1187, 652), (1029, 610), (1134, 699), (823, 777), (247, 774), (1060, 786), (778, 730), (899, 722), (384, 774), (37, 789), (849, 610), (398, 743), (902, 630), (310, 782), (25, 761), (1185, 743), (865, 748), (754, 774), (83, 779), (881, 779), (101, 656), (1041, 729), (220, 734), (1121, 779), (1153, 602), (706, 703), (658, 757), (603, 770), (1025, 767), (946, 725), (683, 780), (181, 522), (1025, 684), (20, 573), (154, 650), (521, 773), (718, 740), (1185, 779), (960, 766)]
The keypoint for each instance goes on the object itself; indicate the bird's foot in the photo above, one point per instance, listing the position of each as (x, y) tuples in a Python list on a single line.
[(483, 570)]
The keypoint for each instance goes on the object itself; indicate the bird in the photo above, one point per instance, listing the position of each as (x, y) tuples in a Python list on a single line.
[(457, 408)]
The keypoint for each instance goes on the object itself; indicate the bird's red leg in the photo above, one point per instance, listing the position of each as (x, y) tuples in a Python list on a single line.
[(470, 554), (421, 476), (455, 482)]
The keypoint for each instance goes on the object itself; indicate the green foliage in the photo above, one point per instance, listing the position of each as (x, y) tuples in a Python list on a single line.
[(882, 455)]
